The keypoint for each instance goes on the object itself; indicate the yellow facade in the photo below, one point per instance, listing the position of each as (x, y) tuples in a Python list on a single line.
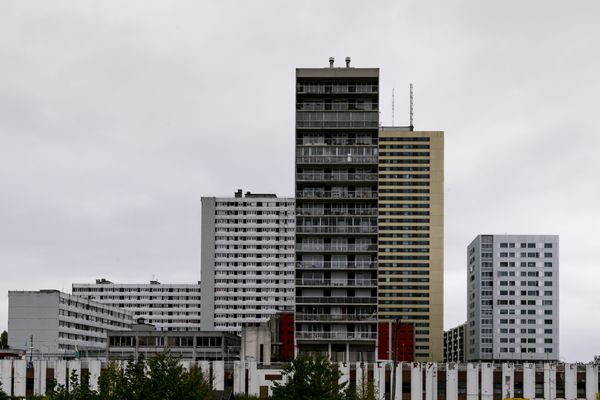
[(411, 235)]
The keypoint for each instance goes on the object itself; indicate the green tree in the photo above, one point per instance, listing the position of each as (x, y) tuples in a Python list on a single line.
[(4, 340), (310, 378), (77, 390)]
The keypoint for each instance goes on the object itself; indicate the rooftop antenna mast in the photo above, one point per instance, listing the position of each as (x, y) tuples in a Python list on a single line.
[(393, 108), (412, 126)]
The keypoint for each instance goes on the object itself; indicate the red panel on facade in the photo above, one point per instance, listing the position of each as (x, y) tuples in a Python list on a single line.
[(405, 341), (286, 336)]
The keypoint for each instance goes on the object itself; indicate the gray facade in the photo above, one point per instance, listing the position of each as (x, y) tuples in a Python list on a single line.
[(247, 271), (455, 344), (61, 324), (337, 126), (169, 307), (513, 298)]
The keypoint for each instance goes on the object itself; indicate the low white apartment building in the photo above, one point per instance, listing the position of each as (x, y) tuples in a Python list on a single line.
[(49, 323), (169, 307), (247, 271)]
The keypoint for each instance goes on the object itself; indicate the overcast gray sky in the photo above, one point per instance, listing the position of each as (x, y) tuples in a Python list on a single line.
[(116, 117)]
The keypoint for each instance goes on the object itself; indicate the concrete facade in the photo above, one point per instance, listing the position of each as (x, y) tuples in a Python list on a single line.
[(455, 344), (513, 298), (337, 121), (247, 259), (411, 235), (61, 324), (169, 307)]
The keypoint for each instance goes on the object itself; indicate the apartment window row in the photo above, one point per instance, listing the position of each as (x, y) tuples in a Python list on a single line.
[(525, 245), (386, 139), (247, 203)]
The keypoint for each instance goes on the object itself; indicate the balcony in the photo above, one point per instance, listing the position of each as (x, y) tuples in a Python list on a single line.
[(336, 124), (336, 335), (320, 229), (335, 300), (306, 247), (348, 177), (337, 282), (312, 140), (336, 211), (337, 89), (301, 317), (337, 106), (336, 265), (337, 195), (347, 159)]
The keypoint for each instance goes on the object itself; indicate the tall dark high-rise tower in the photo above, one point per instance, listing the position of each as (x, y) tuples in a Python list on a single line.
[(337, 122)]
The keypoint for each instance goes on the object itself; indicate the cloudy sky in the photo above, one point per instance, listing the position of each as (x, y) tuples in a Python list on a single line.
[(116, 117)]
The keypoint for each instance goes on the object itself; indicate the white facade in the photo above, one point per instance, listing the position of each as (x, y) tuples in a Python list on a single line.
[(247, 259), (513, 304), (169, 307), (61, 323)]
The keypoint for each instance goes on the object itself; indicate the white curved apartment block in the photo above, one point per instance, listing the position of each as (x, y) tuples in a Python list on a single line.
[(169, 307), (247, 270)]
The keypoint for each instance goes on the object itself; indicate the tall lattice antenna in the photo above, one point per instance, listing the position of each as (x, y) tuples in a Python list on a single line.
[(393, 107), (412, 126)]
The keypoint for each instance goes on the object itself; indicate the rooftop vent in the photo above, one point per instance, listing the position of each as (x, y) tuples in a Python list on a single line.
[(331, 60), (348, 62)]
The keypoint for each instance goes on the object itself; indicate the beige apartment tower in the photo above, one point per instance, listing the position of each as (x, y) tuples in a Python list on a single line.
[(411, 235)]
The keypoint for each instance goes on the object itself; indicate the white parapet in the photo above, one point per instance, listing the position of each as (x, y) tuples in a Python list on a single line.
[(591, 381), (39, 377), (508, 380), (6, 376), (219, 374), (19, 377), (472, 381), (360, 377), (529, 380), (253, 378), (239, 377), (345, 373), (549, 381), (74, 367), (451, 381), (94, 368), (379, 378), (60, 372), (487, 381), (416, 384), (570, 381), (398, 382), (431, 381)]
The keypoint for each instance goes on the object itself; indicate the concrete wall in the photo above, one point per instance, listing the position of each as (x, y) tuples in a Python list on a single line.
[(33, 313), (207, 265)]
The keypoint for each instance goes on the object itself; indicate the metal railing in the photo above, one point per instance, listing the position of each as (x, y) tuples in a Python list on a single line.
[(337, 195), (335, 300), (337, 106), (336, 265), (336, 282), (337, 124), (338, 211), (336, 335), (317, 89), (335, 317), (314, 141), (335, 247), (336, 177), (336, 159), (335, 229)]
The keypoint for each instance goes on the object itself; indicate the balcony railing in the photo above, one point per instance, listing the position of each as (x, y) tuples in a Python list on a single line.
[(337, 124), (335, 229), (336, 159), (337, 195), (335, 247), (334, 317), (321, 141), (335, 300), (336, 282), (316, 177), (337, 335), (336, 265), (322, 89), (336, 211), (337, 106)]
